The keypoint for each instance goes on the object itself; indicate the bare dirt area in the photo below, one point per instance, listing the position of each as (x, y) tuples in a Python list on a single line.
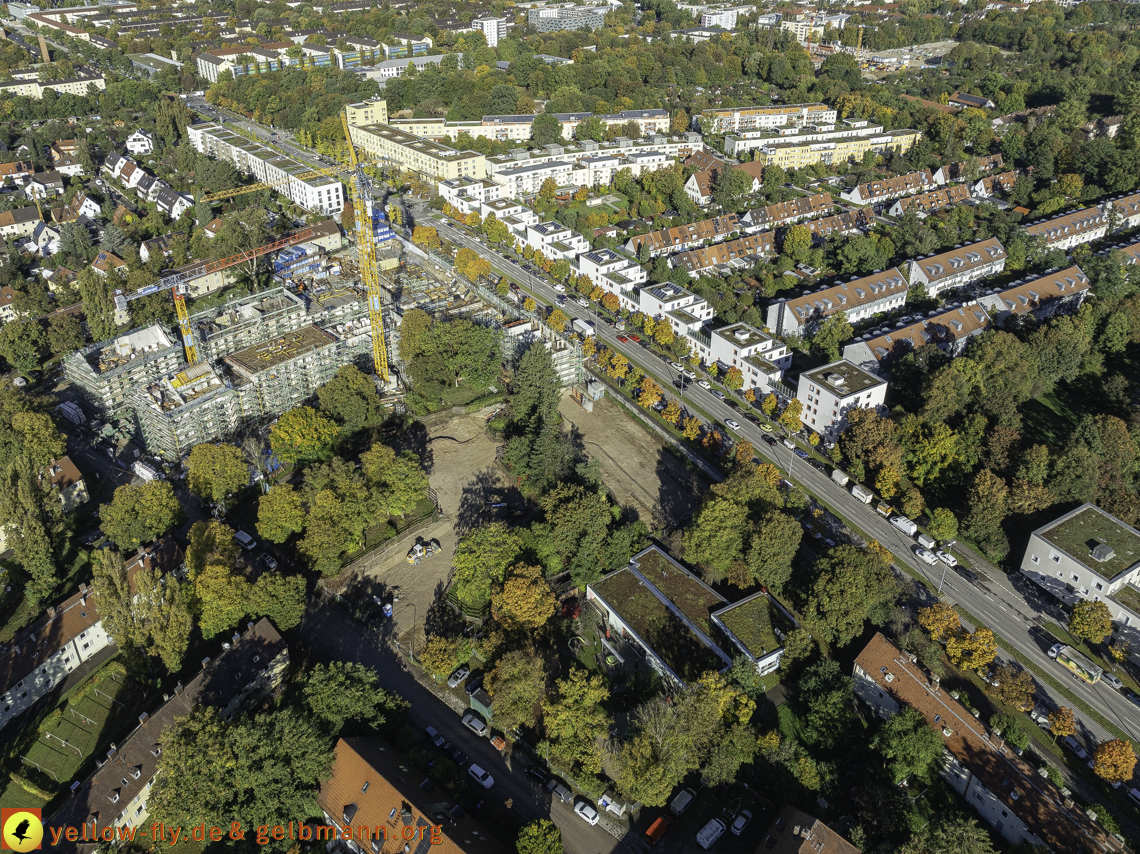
[(637, 466)]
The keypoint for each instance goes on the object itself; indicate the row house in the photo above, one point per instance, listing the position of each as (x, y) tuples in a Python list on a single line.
[(959, 267), (950, 331), (858, 299), (741, 252), (1072, 229), (848, 222), (667, 241), (962, 171), (991, 185), (761, 358), (782, 213), (1127, 211), (926, 203), (885, 189), (556, 241), (1053, 293)]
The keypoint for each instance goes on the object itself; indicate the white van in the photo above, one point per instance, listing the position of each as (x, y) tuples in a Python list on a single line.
[(682, 801), (861, 493), (789, 444), (245, 541), (905, 525), (926, 541), (710, 833)]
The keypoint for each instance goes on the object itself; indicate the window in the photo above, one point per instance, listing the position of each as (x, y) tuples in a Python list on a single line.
[(979, 797), (1075, 577), (1056, 558), (1035, 559), (1098, 585)]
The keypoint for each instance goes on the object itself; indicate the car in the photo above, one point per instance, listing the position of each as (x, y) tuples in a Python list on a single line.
[(689, 375), (474, 685), (771, 440), (561, 288), (801, 453), (704, 384), (718, 394), (269, 560), (561, 300), (587, 812), (741, 822), (767, 428), (1074, 746), (475, 723), (966, 574), (582, 301), (456, 678), (623, 339), (732, 424), (676, 366), (515, 261), (635, 339), (947, 558), (459, 756), (1113, 680), (924, 555), (434, 736), (560, 790), (539, 773), (480, 776), (1054, 649)]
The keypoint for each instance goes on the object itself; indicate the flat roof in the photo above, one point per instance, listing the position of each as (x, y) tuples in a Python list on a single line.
[(751, 623), (742, 335), (1077, 533), (842, 378), (278, 350)]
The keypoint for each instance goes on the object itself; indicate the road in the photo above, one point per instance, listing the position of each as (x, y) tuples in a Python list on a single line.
[(994, 599), (334, 636)]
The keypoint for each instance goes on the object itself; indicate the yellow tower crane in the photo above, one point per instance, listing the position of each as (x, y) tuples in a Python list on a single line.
[(361, 191)]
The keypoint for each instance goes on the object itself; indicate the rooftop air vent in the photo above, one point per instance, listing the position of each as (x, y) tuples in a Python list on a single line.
[(1103, 552)]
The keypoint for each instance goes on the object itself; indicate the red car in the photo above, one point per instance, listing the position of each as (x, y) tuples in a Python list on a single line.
[(634, 338), (623, 339)]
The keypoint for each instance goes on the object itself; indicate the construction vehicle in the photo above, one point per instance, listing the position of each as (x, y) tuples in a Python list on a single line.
[(423, 549), (361, 190)]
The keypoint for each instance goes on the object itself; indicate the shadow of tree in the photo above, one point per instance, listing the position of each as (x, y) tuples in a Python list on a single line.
[(415, 438), (485, 499), (680, 489), (441, 618)]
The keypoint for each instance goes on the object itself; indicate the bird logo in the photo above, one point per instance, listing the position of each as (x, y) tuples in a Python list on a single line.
[(22, 830)]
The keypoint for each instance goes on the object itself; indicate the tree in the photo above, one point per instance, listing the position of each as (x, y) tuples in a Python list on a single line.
[(790, 417), (987, 500), (540, 836), (1114, 761), (281, 598), (345, 691), (22, 344), (715, 539), (827, 699), (557, 320), (797, 243), (223, 598), (1062, 722), (692, 428), (140, 514), (1010, 729), (351, 399), (774, 545), (832, 332), (546, 129), (1015, 687), (769, 404), (396, 481), (302, 435), (910, 744), (672, 412), (517, 684), (216, 472), (941, 620), (576, 721), (1091, 621), (852, 586), (548, 190), (731, 187), (259, 770), (279, 513), (439, 655), (524, 599), (650, 394), (65, 334), (972, 650), (943, 525), (480, 562), (954, 835)]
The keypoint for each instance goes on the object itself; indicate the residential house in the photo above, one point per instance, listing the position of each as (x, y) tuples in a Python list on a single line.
[(964, 170), (16, 173), (782, 213), (796, 832), (68, 479), (19, 222), (949, 331), (614, 271), (858, 299), (884, 189), (1071, 229), (848, 222), (926, 203), (991, 185), (173, 203), (149, 187), (372, 803), (963, 102), (1126, 211), (69, 166), (106, 263), (700, 185), (556, 241), (1008, 792), (211, 228), (81, 205), (140, 142), (46, 239), (7, 304), (156, 247), (958, 267), (828, 393), (681, 237), (1042, 297), (63, 149), (44, 184), (742, 252), (761, 358), (246, 672)]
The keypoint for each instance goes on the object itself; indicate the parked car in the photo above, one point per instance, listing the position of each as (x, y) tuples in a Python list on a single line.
[(689, 375), (269, 560), (538, 772), (1113, 680), (623, 339), (966, 574), (718, 394), (561, 288), (586, 811), (675, 366), (475, 723), (480, 776), (947, 558), (1073, 745), (456, 678), (924, 555), (731, 424), (741, 822), (710, 833), (770, 440), (657, 830), (635, 339), (434, 736), (560, 790), (473, 686), (704, 384)]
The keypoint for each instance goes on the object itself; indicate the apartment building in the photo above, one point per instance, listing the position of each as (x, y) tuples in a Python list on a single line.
[(106, 374), (739, 253), (791, 152), (810, 28), (1008, 793), (732, 119), (614, 271), (246, 673), (884, 189), (470, 194), (599, 171), (663, 148), (1071, 229), (528, 178), (927, 203), (244, 322), (761, 358), (556, 241), (1126, 211), (796, 832), (492, 29), (991, 185), (431, 159), (858, 299), (828, 393), (317, 194), (85, 82), (364, 113), (959, 267), (550, 20), (964, 170), (965, 102), (742, 143), (667, 241), (950, 331), (683, 310), (783, 213), (185, 408), (1056, 292)]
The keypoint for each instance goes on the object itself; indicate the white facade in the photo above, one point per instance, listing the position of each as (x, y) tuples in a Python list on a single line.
[(614, 272), (492, 29), (596, 171), (761, 359), (140, 142), (554, 240), (827, 394), (859, 299), (959, 267), (685, 311), (528, 180)]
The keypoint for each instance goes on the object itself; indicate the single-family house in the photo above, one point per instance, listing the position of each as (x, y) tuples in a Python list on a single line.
[(140, 142)]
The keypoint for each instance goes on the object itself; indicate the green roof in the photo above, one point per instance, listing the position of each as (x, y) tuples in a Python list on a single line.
[(1079, 532), (752, 622)]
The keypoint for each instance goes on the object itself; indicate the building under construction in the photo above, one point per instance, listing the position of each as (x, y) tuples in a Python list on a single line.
[(108, 373), (185, 408)]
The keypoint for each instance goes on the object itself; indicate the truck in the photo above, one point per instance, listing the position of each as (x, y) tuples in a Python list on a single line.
[(584, 327), (146, 472), (1081, 666), (72, 413), (839, 477), (862, 493), (905, 525)]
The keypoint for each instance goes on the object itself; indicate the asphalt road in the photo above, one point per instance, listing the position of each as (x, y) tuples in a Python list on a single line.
[(1015, 617), (334, 636)]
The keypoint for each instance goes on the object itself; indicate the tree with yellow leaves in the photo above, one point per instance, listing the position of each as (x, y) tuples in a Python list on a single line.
[(524, 599), (790, 417), (618, 367), (439, 655), (672, 412), (750, 395), (650, 394), (529, 304), (941, 620), (972, 650), (692, 428), (589, 347), (1062, 722), (1114, 761), (557, 320), (769, 404), (745, 452)]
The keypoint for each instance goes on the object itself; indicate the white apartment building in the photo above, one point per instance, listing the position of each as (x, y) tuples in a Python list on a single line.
[(1042, 297), (959, 267), (685, 311), (319, 195), (741, 144), (528, 179), (858, 299), (1070, 230), (596, 171), (492, 29), (554, 240), (614, 272), (1127, 211), (764, 118), (761, 358), (468, 194), (827, 394)]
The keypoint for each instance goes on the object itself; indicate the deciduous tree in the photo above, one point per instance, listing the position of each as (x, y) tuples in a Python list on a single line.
[(941, 620), (1091, 621), (344, 691), (524, 599), (351, 399), (517, 684), (692, 429), (480, 562), (972, 650), (140, 514), (1114, 761), (1015, 687), (576, 721), (1062, 722), (790, 417), (910, 744), (649, 394), (216, 472), (302, 435), (540, 836), (773, 548), (280, 513)]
